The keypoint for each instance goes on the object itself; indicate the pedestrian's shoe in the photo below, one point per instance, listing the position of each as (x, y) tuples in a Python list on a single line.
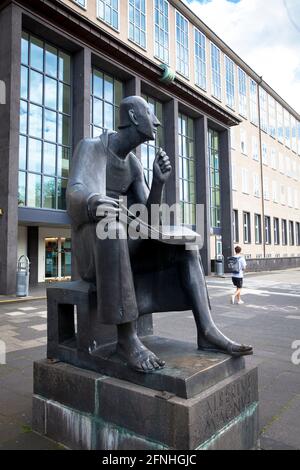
[(233, 299), (241, 302)]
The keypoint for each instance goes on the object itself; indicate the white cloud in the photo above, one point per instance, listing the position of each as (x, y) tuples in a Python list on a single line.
[(265, 34)]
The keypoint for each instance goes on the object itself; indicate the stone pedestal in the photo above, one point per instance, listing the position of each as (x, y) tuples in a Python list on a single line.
[(199, 401)]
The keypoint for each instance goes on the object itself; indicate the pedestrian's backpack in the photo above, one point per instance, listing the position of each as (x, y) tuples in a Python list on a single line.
[(233, 264)]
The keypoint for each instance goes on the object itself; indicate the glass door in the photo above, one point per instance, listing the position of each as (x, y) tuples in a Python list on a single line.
[(65, 257), (57, 258), (51, 257)]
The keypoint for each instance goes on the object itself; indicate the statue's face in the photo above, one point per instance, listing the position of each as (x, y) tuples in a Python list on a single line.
[(147, 121)]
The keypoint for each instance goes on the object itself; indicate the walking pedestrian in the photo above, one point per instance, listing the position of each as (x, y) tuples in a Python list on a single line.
[(238, 275)]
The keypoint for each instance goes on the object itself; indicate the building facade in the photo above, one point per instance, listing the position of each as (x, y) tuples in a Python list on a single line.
[(233, 142)]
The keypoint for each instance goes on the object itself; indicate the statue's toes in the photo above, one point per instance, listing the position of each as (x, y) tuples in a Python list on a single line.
[(155, 362), (147, 365), (241, 349)]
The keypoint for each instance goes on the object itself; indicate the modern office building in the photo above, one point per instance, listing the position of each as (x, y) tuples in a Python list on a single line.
[(234, 142)]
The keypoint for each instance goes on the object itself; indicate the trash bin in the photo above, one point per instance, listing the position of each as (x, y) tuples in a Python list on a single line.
[(22, 277), (220, 265)]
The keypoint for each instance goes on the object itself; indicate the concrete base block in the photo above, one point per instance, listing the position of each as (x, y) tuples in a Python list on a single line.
[(86, 410)]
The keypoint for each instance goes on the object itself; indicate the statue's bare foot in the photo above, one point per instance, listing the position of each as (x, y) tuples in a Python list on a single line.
[(214, 341), (137, 356)]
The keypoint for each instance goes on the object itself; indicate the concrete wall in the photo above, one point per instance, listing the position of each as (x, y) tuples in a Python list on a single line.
[(272, 264), (22, 241)]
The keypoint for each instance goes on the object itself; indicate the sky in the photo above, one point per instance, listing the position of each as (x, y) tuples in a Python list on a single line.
[(264, 33)]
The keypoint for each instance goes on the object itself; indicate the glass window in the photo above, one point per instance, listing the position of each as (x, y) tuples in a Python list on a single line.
[(61, 193), (284, 232), (22, 152), (137, 22), (35, 121), (33, 197), (36, 87), (51, 61), (253, 102), (82, 3), (245, 181), (34, 155), (49, 192), (298, 233), (215, 184), (246, 227), (242, 93), (264, 154), (256, 185), (255, 148), (22, 189), (287, 128), (24, 82), (64, 67), (200, 59), (182, 45), (291, 233), (244, 147), (257, 221), (268, 238), (50, 93), (150, 149), (276, 231), (230, 82), (263, 109), (294, 133), (63, 161), (36, 54), (45, 123), (24, 48), (279, 110), (161, 30), (216, 71), (107, 94), (235, 226), (186, 161), (50, 125), (108, 11), (272, 117)]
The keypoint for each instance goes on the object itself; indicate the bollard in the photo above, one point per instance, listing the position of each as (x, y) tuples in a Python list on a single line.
[(22, 277), (220, 265)]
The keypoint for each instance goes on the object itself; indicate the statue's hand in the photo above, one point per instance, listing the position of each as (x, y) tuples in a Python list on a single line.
[(161, 167), (101, 206)]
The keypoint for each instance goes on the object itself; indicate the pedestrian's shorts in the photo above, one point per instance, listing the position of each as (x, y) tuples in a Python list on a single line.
[(238, 282)]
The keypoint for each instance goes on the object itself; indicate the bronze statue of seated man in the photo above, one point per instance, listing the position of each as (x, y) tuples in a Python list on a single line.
[(134, 277)]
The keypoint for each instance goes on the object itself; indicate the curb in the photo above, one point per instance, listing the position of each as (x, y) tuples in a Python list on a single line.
[(25, 299)]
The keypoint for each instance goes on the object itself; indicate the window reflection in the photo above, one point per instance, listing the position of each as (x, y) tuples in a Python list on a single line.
[(187, 187), (45, 124), (150, 149), (107, 93)]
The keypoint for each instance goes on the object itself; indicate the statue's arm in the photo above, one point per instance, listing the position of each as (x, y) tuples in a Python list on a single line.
[(79, 193)]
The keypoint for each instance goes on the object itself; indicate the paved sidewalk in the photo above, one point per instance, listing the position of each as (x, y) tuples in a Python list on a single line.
[(23, 329), (35, 293)]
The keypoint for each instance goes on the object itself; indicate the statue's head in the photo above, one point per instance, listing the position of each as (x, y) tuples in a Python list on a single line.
[(135, 112)]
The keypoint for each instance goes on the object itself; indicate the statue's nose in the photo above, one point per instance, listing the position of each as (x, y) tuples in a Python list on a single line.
[(156, 121)]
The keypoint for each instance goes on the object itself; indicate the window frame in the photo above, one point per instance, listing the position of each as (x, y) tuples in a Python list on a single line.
[(196, 30), (247, 228), (144, 48), (258, 229), (154, 38), (187, 49), (106, 22)]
